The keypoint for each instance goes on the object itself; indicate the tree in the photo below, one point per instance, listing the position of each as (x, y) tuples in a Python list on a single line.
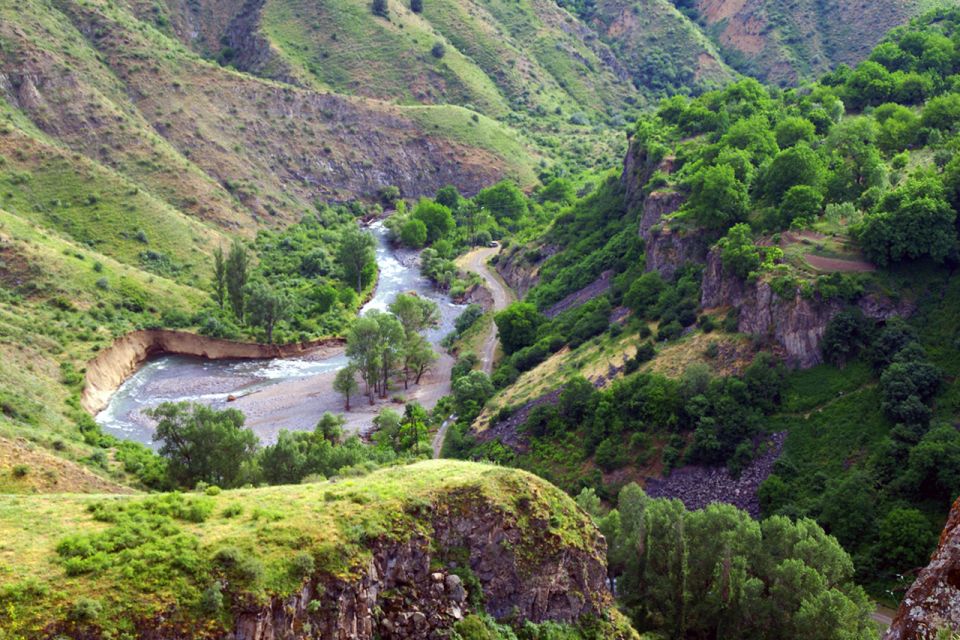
[(415, 314), (345, 383), (905, 538), (794, 129), (801, 202), (504, 200), (470, 394), (203, 444), (793, 166), (437, 219), (416, 6), (449, 197), (717, 573), (219, 277), (380, 8), (739, 254), (418, 357), (357, 257), (717, 199), (934, 465), (266, 307), (375, 345), (942, 112), (517, 326), (237, 264), (413, 233), (644, 293), (911, 222), (330, 427)]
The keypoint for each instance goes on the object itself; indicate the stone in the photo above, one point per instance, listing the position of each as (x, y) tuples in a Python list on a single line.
[(933, 601)]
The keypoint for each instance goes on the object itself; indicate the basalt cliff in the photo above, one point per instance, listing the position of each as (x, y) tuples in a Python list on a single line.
[(932, 605)]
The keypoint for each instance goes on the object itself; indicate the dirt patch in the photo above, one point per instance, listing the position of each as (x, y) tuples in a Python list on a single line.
[(833, 265)]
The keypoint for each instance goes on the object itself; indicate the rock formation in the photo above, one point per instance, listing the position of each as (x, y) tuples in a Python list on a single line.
[(794, 325), (932, 604)]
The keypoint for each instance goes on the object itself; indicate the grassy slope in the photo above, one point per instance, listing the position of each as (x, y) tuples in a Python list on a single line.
[(61, 302), (331, 521)]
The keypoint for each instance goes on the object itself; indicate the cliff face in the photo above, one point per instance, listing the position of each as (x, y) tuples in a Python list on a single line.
[(933, 602), (520, 269), (437, 541), (794, 325)]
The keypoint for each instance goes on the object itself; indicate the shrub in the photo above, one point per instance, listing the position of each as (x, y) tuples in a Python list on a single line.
[(438, 50), (20, 470), (85, 610)]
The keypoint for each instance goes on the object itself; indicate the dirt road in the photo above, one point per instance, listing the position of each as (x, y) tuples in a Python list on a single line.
[(476, 261)]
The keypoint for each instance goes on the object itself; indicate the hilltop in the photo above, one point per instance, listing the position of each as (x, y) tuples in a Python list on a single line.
[(402, 552)]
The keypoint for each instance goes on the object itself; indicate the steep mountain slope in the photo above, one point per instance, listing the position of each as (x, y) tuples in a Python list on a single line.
[(445, 542), (782, 42), (665, 51)]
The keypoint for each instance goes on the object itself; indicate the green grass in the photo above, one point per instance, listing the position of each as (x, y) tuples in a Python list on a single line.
[(335, 523)]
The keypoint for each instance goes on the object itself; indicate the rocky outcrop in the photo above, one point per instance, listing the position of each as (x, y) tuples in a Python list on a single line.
[(520, 267), (667, 248), (512, 542), (112, 366), (794, 325), (932, 604)]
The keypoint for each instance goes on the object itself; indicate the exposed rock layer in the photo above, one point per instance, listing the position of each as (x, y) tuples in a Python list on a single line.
[(933, 602), (115, 364), (795, 325)]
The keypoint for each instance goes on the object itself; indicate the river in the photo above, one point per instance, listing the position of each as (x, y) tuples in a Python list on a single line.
[(182, 378)]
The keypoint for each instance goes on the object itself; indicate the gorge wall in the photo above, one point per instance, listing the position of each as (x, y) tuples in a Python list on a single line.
[(932, 605), (795, 325)]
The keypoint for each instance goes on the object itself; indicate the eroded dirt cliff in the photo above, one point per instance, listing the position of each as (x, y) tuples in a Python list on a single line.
[(115, 364)]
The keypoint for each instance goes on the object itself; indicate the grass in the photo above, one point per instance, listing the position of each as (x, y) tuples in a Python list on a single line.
[(333, 522)]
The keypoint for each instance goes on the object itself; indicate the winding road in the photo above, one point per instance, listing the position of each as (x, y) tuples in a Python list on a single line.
[(476, 261)]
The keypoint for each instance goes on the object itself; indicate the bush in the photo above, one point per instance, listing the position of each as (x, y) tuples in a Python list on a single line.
[(85, 610), (438, 50), (20, 470)]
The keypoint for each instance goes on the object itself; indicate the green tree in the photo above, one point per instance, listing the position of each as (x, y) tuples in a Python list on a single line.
[(237, 265), (470, 394), (905, 538), (345, 383), (517, 326), (942, 112), (717, 199), (913, 221), (794, 129), (416, 6), (413, 233), (415, 314), (437, 219), (266, 307), (644, 293), (380, 8), (791, 167), (504, 200), (357, 257), (203, 444), (219, 277), (801, 202), (739, 254)]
